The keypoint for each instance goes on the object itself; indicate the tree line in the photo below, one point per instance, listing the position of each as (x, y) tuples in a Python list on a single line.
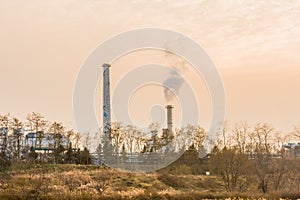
[(254, 154), (245, 155), (247, 158), (38, 140), (133, 140), (128, 144)]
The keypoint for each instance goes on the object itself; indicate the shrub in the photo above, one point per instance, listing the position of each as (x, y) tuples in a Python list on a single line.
[(172, 181)]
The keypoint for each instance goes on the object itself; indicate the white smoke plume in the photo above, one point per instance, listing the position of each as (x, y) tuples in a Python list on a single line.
[(172, 85)]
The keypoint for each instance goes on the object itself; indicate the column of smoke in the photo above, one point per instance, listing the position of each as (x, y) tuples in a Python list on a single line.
[(174, 80), (172, 84)]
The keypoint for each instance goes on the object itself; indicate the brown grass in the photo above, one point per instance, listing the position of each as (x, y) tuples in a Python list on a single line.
[(94, 182)]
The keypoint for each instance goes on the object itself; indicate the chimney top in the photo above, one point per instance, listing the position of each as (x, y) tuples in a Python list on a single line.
[(106, 65)]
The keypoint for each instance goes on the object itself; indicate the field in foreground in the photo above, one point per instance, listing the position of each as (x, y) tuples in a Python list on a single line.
[(95, 182)]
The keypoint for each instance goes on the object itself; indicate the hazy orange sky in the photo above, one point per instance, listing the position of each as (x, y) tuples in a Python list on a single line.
[(254, 44)]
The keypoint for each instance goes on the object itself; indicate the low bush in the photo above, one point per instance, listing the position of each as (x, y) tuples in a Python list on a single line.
[(172, 181)]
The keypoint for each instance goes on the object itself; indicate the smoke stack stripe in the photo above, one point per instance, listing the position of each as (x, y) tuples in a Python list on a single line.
[(106, 100)]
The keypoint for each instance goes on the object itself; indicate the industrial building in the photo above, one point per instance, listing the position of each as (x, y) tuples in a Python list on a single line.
[(292, 149)]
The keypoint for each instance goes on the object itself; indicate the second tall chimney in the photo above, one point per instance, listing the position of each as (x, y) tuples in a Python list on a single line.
[(169, 119)]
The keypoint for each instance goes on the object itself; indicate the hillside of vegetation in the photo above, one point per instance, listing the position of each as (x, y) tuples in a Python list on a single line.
[(99, 182), (42, 160)]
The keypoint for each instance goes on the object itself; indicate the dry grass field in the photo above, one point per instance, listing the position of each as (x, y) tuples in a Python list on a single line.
[(96, 182)]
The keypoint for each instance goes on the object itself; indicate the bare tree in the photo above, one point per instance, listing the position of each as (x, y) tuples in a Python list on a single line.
[(118, 136), (37, 123), (262, 154), (76, 138), (131, 133), (199, 136), (279, 170), (279, 140), (140, 142), (58, 131), (4, 128), (240, 134), (224, 135), (184, 137), (230, 164), (17, 134), (153, 130), (296, 132), (70, 135), (86, 137)]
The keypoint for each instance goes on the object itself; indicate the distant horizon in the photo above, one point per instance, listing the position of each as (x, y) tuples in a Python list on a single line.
[(227, 123)]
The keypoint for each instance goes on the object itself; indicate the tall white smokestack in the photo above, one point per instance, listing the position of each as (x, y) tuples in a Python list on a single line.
[(169, 118), (106, 100)]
